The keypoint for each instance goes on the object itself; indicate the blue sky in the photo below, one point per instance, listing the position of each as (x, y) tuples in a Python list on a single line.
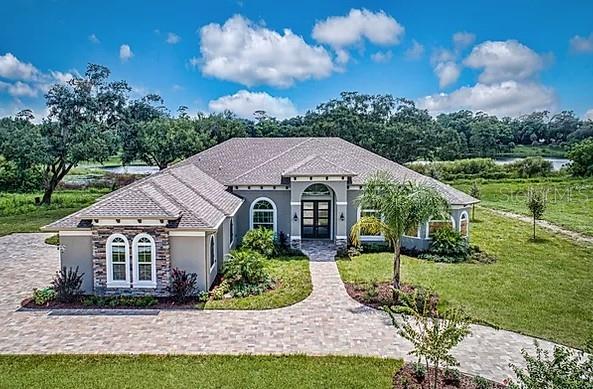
[(503, 57)]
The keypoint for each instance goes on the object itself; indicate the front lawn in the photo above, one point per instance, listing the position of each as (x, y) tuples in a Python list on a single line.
[(97, 371), (543, 289), (570, 201), (18, 212), (293, 285)]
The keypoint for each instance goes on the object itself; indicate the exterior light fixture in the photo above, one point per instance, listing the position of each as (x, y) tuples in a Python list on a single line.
[(295, 217), (342, 216)]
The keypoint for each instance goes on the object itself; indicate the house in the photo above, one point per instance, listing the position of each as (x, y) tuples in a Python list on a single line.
[(191, 214)]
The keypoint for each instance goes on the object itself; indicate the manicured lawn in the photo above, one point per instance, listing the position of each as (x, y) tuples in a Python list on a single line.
[(18, 212), (294, 285), (143, 371), (543, 289), (570, 201)]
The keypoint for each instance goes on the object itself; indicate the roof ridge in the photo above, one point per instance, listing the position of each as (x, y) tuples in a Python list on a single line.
[(273, 158), (158, 189), (198, 192)]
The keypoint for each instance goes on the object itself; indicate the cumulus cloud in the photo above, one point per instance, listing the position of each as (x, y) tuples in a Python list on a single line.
[(582, 44), (173, 38), (507, 98), (18, 89), (250, 54), (463, 39), (125, 53), (341, 31), (93, 39), (447, 72), (416, 51), (244, 104), (13, 69), (504, 60), (589, 114), (382, 56)]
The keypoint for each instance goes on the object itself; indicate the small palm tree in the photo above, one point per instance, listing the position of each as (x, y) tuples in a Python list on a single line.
[(401, 206)]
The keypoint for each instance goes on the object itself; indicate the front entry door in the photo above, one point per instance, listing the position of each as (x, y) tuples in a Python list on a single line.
[(315, 219)]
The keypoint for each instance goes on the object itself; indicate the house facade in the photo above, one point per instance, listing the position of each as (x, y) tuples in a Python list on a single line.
[(190, 215)]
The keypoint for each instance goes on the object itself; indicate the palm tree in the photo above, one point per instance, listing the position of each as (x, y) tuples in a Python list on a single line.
[(401, 206)]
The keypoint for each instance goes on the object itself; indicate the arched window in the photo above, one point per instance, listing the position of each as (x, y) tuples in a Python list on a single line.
[(144, 258), (317, 190), (118, 261), (212, 253), (413, 232), (464, 224), (263, 214), (436, 224)]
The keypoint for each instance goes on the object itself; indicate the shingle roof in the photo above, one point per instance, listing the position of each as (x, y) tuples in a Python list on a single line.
[(264, 161), (315, 165)]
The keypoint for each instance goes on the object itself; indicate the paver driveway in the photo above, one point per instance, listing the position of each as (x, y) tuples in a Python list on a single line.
[(327, 322)]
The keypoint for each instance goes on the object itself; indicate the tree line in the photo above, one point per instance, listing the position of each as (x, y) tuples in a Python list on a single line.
[(92, 118)]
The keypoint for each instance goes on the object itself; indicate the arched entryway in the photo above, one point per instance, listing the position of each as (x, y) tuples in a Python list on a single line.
[(317, 212)]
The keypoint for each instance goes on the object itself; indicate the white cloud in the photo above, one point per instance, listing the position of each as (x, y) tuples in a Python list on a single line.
[(18, 89), (244, 104), (447, 72), (13, 69), (341, 31), (504, 60), (416, 51), (382, 56), (507, 98), (589, 114), (581, 44), (125, 53), (93, 39), (62, 78), (463, 39), (173, 38), (250, 54)]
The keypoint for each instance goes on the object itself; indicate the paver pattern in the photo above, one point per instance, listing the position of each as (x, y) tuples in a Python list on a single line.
[(327, 322)]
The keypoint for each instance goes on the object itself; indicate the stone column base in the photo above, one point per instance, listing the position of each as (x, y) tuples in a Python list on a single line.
[(341, 246), (295, 244)]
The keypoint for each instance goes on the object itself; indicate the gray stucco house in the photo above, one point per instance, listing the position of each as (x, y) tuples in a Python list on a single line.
[(191, 214)]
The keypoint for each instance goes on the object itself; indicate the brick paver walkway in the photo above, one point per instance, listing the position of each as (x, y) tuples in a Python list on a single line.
[(327, 322)]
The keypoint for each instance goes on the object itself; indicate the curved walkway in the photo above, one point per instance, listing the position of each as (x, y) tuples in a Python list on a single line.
[(327, 322)]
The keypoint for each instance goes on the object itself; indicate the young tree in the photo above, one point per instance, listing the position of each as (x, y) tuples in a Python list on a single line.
[(432, 335), (475, 193), (581, 155), (82, 123), (402, 206), (536, 203)]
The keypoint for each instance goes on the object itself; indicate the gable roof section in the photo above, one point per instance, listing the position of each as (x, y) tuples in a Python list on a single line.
[(315, 165)]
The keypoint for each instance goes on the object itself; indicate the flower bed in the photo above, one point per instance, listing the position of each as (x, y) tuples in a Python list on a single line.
[(115, 302), (411, 377), (379, 294)]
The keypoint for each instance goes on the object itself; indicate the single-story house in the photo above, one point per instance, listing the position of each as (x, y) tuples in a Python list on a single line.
[(191, 214)]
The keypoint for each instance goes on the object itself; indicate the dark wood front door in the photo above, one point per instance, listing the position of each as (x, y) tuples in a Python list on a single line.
[(315, 219)]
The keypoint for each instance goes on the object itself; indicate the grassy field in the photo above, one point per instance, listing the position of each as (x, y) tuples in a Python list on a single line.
[(543, 288), (18, 212), (570, 201), (63, 371), (294, 285)]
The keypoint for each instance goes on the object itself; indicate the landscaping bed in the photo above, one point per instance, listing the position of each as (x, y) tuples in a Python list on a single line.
[(408, 377), (94, 302), (379, 294)]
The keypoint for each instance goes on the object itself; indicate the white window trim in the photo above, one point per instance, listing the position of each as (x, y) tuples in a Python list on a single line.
[(461, 217), (231, 232), (368, 238), (110, 282), (137, 282), (417, 236), (211, 243), (274, 209), (453, 224)]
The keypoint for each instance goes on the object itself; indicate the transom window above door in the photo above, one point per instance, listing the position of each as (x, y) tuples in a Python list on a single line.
[(317, 190)]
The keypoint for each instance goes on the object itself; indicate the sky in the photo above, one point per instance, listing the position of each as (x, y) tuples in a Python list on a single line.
[(502, 57)]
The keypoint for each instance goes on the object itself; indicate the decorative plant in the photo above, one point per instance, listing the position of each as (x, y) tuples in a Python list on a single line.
[(536, 203), (44, 295), (432, 335), (245, 272), (402, 206), (447, 242), (183, 285), (67, 283), (260, 240)]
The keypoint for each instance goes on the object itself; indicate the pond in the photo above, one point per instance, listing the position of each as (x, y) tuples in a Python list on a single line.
[(557, 163), (130, 169)]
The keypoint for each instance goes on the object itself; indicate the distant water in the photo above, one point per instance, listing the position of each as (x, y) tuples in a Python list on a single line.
[(557, 163), (133, 169)]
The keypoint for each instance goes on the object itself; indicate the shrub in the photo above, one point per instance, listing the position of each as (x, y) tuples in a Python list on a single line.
[(452, 377), (482, 383), (203, 296), (581, 155), (245, 267), (260, 240), (220, 290), (183, 285), (120, 301), (419, 371), (67, 283), (449, 243), (531, 167), (53, 240), (44, 295)]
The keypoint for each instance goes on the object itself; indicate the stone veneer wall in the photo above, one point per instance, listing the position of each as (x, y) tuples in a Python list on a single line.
[(163, 260)]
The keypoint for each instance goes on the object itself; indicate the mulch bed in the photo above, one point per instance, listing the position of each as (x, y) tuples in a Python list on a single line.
[(162, 304), (379, 294), (406, 379)]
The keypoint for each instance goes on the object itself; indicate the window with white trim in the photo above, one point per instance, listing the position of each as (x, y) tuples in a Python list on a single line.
[(413, 232), (144, 260), (364, 235), (437, 224), (263, 214), (118, 261), (464, 224), (212, 253)]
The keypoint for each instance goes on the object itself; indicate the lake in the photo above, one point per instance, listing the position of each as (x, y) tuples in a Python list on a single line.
[(557, 163), (131, 169)]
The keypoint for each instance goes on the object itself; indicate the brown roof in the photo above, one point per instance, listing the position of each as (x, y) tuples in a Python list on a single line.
[(315, 165)]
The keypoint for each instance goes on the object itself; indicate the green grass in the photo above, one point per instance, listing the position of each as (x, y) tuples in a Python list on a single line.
[(102, 371), (570, 201), (18, 212), (294, 285), (543, 289)]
